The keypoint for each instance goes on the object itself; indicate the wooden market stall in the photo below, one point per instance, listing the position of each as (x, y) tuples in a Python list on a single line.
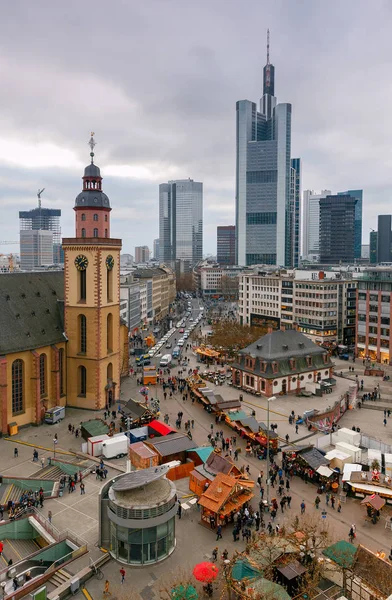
[(223, 498)]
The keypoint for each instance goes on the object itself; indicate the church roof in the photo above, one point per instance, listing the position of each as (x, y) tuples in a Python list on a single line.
[(92, 198), (31, 310)]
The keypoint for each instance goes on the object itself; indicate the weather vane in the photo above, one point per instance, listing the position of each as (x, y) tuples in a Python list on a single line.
[(92, 143)]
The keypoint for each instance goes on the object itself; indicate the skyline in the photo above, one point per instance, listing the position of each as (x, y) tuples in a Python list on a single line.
[(170, 114)]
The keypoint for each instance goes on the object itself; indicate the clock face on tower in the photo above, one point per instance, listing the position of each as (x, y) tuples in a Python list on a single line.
[(81, 262), (109, 262)]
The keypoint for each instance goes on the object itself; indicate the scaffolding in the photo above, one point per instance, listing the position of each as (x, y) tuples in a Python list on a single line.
[(46, 219)]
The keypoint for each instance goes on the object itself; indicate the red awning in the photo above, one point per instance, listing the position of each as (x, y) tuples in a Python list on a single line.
[(160, 427)]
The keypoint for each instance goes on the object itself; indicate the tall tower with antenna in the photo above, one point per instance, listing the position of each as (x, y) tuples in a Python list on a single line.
[(268, 100)]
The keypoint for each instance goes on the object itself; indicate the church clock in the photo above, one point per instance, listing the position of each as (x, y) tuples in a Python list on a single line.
[(109, 262), (81, 262)]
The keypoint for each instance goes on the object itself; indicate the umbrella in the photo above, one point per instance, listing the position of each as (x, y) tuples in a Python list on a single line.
[(182, 592), (205, 571), (375, 501), (144, 391)]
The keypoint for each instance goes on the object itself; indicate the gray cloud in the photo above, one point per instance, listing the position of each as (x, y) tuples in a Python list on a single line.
[(158, 82)]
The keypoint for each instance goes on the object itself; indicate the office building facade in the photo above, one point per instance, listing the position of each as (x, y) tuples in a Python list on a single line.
[(264, 188), (225, 247), (311, 224), (40, 219), (317, 303), (373, 247), (374, 315), (358, 195), (181, 222), (36, 249), (337, 229), (384, 239), (294, 213)]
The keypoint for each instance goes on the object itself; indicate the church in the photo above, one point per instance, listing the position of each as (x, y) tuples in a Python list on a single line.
[(62, 342)]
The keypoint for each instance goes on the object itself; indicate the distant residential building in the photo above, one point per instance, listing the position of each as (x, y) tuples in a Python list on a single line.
[(384, 239), (142, 254), (36, 249), (181, 223), (225, 253), (373, 335), (311, 224), (41, 219), (373, 247), (358, 195), (126, 260), (337, 229), (267, 191), (321, 304), (156, 249)]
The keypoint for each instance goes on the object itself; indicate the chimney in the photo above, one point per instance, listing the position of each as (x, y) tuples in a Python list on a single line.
[(269, 330)]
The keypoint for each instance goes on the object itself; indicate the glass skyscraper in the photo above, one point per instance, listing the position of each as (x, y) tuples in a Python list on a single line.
[(267, 181), (358, 194), (181, 222)]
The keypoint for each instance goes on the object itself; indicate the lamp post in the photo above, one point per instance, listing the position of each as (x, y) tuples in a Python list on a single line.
[(268, 447)]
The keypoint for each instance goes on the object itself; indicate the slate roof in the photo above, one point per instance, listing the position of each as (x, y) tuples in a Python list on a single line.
[(366, 564), (171, 444), (31, 310), (314, 458), (280, 346)]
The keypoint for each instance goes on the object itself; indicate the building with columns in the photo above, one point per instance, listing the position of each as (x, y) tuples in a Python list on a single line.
[(281, 362), (62, 342)]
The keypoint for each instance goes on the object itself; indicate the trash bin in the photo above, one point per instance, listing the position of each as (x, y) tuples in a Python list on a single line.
[(12, 428)]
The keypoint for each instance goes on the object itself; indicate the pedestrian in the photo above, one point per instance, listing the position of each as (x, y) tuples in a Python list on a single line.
[(42, 463), (106, 590), (339, 506), (215, 554), (385, 422), (122, 573), (327, 497), (219, 533), (303, 507), (333, 502), (82, 488), (1, 547), (50, 516), (179, 509), (16, 453), (317, 502)]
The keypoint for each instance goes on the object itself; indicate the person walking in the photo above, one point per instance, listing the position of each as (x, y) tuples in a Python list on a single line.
[(333, 502), (303, 507), (82, 488), (317, 502), (219, 533), (215, 554), (339, 506), (106, 590), (16, 452), (179, 510), (122, 573), (327, 497), (50, 516)]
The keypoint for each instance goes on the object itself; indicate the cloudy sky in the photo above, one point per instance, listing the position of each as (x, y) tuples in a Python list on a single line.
[(157, 80)]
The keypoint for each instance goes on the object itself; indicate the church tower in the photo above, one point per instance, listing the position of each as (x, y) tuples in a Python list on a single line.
[(92, 299)]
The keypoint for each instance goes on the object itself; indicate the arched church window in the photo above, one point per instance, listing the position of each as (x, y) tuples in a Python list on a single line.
[(17, 386)]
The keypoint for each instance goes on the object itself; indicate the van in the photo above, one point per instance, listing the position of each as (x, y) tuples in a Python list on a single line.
[(54, 415), (165, 360), (176, 351)]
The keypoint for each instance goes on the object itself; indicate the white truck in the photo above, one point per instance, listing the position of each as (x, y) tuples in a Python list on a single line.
[(116, 447)]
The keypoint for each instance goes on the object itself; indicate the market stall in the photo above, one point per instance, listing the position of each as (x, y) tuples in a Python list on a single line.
[(223, 498)]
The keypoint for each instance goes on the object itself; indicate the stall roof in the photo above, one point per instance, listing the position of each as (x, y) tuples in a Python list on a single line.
[(161, 428), (371, 489), (292, 570), (367, 563), (314, 458), (171, 444), (237, 415), (342, 553), (337, 454), (94, 427), (348, 469), (133, 409), (228, 404), (142, 450), (251, 423), (203, 452), (324, 471)]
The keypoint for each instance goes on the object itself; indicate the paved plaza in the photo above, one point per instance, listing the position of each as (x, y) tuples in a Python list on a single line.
[(195, 542)]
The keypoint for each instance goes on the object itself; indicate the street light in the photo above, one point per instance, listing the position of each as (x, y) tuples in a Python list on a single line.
[(268, 447)]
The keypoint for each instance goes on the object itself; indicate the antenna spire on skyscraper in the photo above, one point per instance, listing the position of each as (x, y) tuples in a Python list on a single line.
[(268, 61)]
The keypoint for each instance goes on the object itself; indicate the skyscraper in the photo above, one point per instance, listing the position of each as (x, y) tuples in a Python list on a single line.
[(358, 194), (373, 247), (294, 213), (181, 222), (156, 249), (337, 229), (225, 244), (384, 238), (311, 224), (264, 200), (39, 219)]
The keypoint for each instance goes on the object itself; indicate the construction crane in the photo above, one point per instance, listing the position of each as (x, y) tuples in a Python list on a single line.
[(39, 196)]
